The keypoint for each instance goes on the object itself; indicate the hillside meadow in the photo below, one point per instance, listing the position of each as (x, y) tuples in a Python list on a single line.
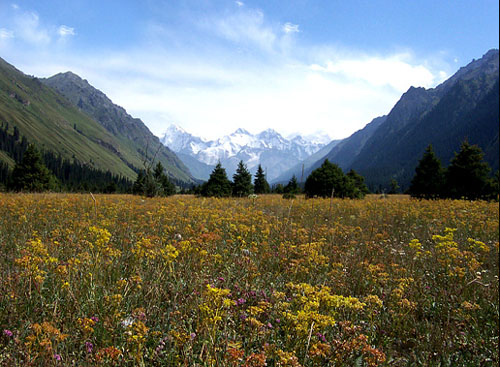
[(186, 281)]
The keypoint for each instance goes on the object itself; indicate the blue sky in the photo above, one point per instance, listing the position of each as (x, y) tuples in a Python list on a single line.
[(213, 66)]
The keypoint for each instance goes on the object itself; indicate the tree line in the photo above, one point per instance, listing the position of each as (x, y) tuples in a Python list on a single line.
[(326, 181), (467, 177), (47, 171)]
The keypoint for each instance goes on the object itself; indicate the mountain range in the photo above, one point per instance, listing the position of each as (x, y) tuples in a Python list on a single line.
[(66, 115), (269, 148), (464, 107)]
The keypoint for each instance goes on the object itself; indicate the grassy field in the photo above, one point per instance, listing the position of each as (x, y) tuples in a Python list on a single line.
[(186, 281)]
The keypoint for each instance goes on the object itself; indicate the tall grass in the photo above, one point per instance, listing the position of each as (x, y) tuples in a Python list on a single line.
[(247, 282)]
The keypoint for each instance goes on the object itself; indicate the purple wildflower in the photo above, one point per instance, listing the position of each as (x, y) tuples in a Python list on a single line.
[(57, 357), (321, 337), (8, 333), (89, 346)]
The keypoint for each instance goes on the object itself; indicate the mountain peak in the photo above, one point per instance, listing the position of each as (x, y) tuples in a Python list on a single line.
[(268, 148), (487, 66), (491, 53), (241, 131), (175, 128), (270, 131), (69, 75)]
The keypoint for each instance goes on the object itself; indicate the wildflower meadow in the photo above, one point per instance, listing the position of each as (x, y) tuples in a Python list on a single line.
[(121, 280)]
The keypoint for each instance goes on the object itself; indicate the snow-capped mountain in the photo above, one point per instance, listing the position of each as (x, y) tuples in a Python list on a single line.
[(275, 153)]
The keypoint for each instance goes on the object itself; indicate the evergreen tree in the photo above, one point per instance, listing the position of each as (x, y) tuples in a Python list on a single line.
[(292, 187), (327, 180), (356, 185), (278, 189), (139, 185), (153, 183), (31, 174), (242, 181), (218, 184), (495, 186), (394, 188), (468, 175), (165, 186), (261, 186), (111, 188), (429, 177), (4, 175)]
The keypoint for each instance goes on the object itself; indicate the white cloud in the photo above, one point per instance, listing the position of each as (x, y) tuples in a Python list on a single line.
[(15, 6), (397, 71), (215, 90), (244, 27), (65, 31), (290, 28), (443, 75), (240, 3), (29, 29), (5, 33), (288, 97)]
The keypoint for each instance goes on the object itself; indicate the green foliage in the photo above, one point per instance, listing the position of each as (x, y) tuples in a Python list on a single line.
[(242, 181), (467, 107), (394, 187), (329, 180), (277, 189), (292, 187), (468, 175), (49, 120), (31, 174), (429, 177), (153, 183), (72, 175), (218, 184), (261, 186), (357, 184)]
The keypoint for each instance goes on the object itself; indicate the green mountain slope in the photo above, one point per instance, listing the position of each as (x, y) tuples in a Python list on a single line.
[(463, 107), (443, 116), (53, 123), (132, 133)]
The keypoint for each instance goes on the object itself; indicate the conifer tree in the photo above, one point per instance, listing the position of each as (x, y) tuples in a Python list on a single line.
[(261, 186), (277, 189), (327, 180), (165, 186), (292, 187), (394, 187), (356, 184), (242, 181), (429, 177), (139, 184), (153, 183), (218, 184), (31, 174), (468, 175)]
